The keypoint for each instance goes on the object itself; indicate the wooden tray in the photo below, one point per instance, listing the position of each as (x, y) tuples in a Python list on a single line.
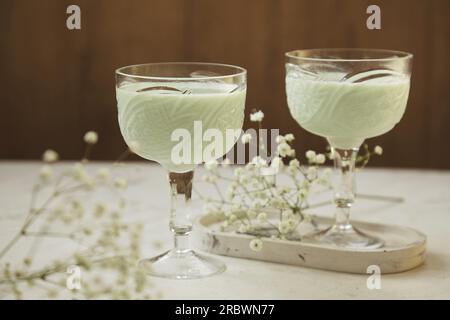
[(404, 248)]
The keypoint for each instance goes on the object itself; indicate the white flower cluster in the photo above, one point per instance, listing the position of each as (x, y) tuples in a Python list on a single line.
[(251, 195), (314, 158), (257, 116), (255, 203), (284, 148), (73, 212)]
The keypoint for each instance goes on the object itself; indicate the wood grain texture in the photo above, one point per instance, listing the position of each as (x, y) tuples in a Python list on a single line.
[(56, 84)]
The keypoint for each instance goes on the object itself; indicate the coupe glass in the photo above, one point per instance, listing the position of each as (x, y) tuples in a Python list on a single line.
[(170, 113), (347, 96)]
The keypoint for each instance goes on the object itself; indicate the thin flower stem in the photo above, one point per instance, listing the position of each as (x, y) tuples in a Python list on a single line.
[(72, 188), (122, 156), (47, 234), (37, 212), (33, 248), (31, 217), (87, 153), (55, 283), (44, 273), (10, 244), (28, 221)]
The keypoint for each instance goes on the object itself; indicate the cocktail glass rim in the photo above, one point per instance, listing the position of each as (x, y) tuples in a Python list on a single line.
[(239, 71), (397, 55)]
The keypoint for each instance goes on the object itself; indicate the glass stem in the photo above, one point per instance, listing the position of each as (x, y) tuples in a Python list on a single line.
[(180, 208), (344, 189)]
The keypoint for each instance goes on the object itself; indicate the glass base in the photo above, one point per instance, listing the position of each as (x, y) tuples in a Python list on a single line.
[(345, 237), (186, 264)]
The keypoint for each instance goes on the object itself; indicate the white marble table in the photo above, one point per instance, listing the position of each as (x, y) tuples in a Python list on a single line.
[(426, 208)]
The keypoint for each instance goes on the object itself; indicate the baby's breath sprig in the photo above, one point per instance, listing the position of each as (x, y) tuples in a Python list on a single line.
[(364, 154), (255, 204), (109, 251)]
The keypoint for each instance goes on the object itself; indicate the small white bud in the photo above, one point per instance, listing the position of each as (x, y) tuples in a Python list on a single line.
[(378, 150), (50, 156), (91, 137), (246, 138), (257, 116), (310, 155)]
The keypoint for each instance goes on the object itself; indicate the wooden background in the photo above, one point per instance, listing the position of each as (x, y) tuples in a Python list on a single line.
[(56, 84)]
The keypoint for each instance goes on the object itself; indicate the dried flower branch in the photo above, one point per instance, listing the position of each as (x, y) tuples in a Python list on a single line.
[(254, 196), (106, 254)]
